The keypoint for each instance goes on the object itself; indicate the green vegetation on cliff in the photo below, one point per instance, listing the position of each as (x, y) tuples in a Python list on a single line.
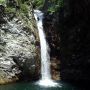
[(2, 2), (48, 5)]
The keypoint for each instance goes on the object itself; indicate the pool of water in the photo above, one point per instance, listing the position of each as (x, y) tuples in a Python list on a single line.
[(33, 86)]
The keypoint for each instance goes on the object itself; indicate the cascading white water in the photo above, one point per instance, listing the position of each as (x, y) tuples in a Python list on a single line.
[(45, 57)]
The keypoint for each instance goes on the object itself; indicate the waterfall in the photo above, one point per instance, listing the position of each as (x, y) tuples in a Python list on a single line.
[(45, 57)]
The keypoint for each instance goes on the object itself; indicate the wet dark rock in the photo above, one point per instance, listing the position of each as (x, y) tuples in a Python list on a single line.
[(51, 27), (11, 3), (52, 33), (75, 41), (73, 46), (2, 14), (55, 68)]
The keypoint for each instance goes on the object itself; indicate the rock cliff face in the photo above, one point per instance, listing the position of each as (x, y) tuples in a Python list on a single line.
[(71, 40), (19, 51), (53, 38), (75, 41)]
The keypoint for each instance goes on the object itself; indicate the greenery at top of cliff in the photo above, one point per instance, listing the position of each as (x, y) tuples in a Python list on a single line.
[(15, 6), (38, 4), (55, 5), (50, 6), (2, 2)]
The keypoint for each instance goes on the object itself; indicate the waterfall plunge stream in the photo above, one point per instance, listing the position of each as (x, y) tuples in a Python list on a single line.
[(45, 57)]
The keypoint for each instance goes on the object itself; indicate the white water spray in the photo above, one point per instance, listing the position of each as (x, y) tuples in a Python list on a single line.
[(45, 57)]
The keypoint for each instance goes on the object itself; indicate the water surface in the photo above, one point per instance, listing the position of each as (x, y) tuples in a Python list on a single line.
[(32, 86)]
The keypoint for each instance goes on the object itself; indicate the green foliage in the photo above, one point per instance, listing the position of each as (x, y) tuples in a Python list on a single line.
[(55, 5), (52, 5), (38, 3), (10, 10), (22, 1), (3, 2), (24, 8)]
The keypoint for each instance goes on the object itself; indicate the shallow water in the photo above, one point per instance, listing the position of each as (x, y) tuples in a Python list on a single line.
[(32, 86)]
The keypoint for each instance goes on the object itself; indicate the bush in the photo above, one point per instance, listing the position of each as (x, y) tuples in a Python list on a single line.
[(24, 8), (38, 3)]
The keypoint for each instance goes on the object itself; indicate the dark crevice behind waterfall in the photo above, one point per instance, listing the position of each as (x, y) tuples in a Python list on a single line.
[(75, 43)]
